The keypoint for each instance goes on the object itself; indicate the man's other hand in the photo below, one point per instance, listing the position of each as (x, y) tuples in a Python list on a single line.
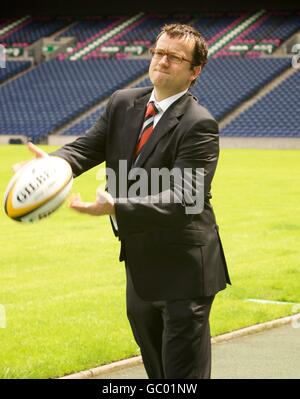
[(104, 204)]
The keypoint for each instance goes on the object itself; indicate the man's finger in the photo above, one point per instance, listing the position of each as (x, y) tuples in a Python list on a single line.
[(76, 203), (38, 152), (89, 208), (83, 207), (74, 198)]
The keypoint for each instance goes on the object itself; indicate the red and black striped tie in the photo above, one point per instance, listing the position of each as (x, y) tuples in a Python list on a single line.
[(147, 128)]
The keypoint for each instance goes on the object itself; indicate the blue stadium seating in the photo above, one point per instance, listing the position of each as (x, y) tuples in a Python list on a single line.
[(210, 26), (150, 27), (12, 68), (225, 82), (85, 29), (276, 27), (81, 127), (35, 29), (57, 91), (276, 114)]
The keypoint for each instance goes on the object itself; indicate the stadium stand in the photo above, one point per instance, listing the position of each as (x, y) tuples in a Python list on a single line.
[(54, 94), (275, 26), (31, 29), (226, 82), (12, 68), (86, 29), (149, 27), (81, 127), (217, 25), (9, 26), (274, 115), (267, 34)]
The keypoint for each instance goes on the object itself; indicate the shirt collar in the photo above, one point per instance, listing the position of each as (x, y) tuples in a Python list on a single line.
[(163, 105)]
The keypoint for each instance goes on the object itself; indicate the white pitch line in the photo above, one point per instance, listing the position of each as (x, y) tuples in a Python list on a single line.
[(271, 302)]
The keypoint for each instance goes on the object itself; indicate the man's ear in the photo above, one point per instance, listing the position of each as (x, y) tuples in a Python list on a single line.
[(196, 72)]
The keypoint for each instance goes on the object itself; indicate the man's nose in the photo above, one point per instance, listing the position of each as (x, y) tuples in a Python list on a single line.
[(164, 59)]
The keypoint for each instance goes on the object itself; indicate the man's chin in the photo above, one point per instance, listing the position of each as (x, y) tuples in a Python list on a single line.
[(160, 79)]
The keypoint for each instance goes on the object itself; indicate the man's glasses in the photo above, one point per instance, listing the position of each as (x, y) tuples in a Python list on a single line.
[(173, 58)]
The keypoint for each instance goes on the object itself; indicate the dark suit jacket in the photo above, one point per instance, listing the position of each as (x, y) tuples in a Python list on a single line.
[(171, 254)]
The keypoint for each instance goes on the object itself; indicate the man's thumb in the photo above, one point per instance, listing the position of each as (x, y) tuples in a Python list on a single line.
[(38, 152)]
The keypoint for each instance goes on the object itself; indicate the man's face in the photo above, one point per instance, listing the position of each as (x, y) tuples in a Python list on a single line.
[(169, 77)]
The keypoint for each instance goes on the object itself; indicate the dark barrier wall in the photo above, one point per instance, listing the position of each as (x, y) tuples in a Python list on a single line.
[(104, 7)]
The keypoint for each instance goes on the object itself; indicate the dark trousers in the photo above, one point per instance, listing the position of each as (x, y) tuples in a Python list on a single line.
[(173, 336)]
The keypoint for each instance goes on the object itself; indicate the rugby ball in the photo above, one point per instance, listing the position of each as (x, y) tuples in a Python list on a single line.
[(38, 189)]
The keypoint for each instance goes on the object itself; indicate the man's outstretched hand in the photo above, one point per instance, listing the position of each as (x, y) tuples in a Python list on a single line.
[(104, 204), (38, 152)]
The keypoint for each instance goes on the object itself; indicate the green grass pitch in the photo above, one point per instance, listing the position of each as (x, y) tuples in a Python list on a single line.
[(62, 288)]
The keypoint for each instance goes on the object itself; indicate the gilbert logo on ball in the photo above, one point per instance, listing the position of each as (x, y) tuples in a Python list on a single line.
[(38, 189)]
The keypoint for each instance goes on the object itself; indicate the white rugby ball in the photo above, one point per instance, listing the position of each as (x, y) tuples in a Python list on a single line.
[(38, 189)]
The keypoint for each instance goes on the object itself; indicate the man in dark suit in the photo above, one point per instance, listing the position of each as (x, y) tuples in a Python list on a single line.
[(174, 258)]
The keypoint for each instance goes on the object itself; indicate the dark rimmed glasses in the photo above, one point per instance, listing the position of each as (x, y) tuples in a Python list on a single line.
[(158, 54)]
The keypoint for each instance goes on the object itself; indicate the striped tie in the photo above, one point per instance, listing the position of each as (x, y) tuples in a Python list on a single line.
[(147, 128)]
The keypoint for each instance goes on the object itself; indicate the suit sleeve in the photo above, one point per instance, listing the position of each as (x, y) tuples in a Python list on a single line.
[(89, 150), (198, 150)]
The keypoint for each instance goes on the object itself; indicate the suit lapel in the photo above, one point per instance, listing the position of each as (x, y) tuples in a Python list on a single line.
[(133, 123), (166, 123)]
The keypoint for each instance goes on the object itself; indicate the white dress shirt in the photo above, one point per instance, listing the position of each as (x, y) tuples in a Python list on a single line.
[(163, 105)]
